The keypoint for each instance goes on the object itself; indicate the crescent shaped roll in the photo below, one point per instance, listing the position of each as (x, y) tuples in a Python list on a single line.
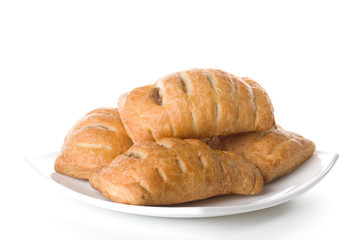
[(94, 141), (197, 103), (172, 171)]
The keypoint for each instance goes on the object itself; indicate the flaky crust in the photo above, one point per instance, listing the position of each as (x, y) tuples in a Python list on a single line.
[(197, 103), (172, 171), (275, 152), (94, 141)]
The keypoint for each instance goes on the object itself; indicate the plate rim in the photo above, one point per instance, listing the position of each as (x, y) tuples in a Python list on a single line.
[(186, 211)]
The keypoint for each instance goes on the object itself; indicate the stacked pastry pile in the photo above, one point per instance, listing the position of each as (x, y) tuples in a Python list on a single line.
[(192, 135)]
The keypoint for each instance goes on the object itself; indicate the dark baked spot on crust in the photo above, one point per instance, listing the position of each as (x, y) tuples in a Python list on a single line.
[(133, 155), (156, 97)]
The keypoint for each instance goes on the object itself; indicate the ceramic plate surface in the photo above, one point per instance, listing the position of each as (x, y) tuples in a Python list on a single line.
[(279, 191)]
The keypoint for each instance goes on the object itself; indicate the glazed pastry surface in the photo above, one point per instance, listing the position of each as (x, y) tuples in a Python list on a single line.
[(197, 103), (94, 141), (275, 152), (173, 170)]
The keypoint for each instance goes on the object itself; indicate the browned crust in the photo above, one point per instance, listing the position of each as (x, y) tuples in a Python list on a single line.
[(275, 152), (94, 141), (197, 103), (172, 171)]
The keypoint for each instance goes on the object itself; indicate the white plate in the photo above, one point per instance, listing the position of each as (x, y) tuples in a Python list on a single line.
[(281, 190)]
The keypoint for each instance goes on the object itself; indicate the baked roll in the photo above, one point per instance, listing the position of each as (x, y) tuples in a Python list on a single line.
[(275, 152), (172, 171), (94, 141), (197, 103)]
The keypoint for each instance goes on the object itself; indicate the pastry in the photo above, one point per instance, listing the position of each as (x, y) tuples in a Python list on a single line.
[(172, 170), (275, 152), (94, 141), (197, 103)]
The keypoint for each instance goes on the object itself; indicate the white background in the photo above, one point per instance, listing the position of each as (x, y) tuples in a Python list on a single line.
[(61, 59)]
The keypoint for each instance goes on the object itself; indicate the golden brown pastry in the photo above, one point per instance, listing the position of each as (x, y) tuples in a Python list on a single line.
[(197, 103), (275, 152), (94, 141), (173, 170)]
